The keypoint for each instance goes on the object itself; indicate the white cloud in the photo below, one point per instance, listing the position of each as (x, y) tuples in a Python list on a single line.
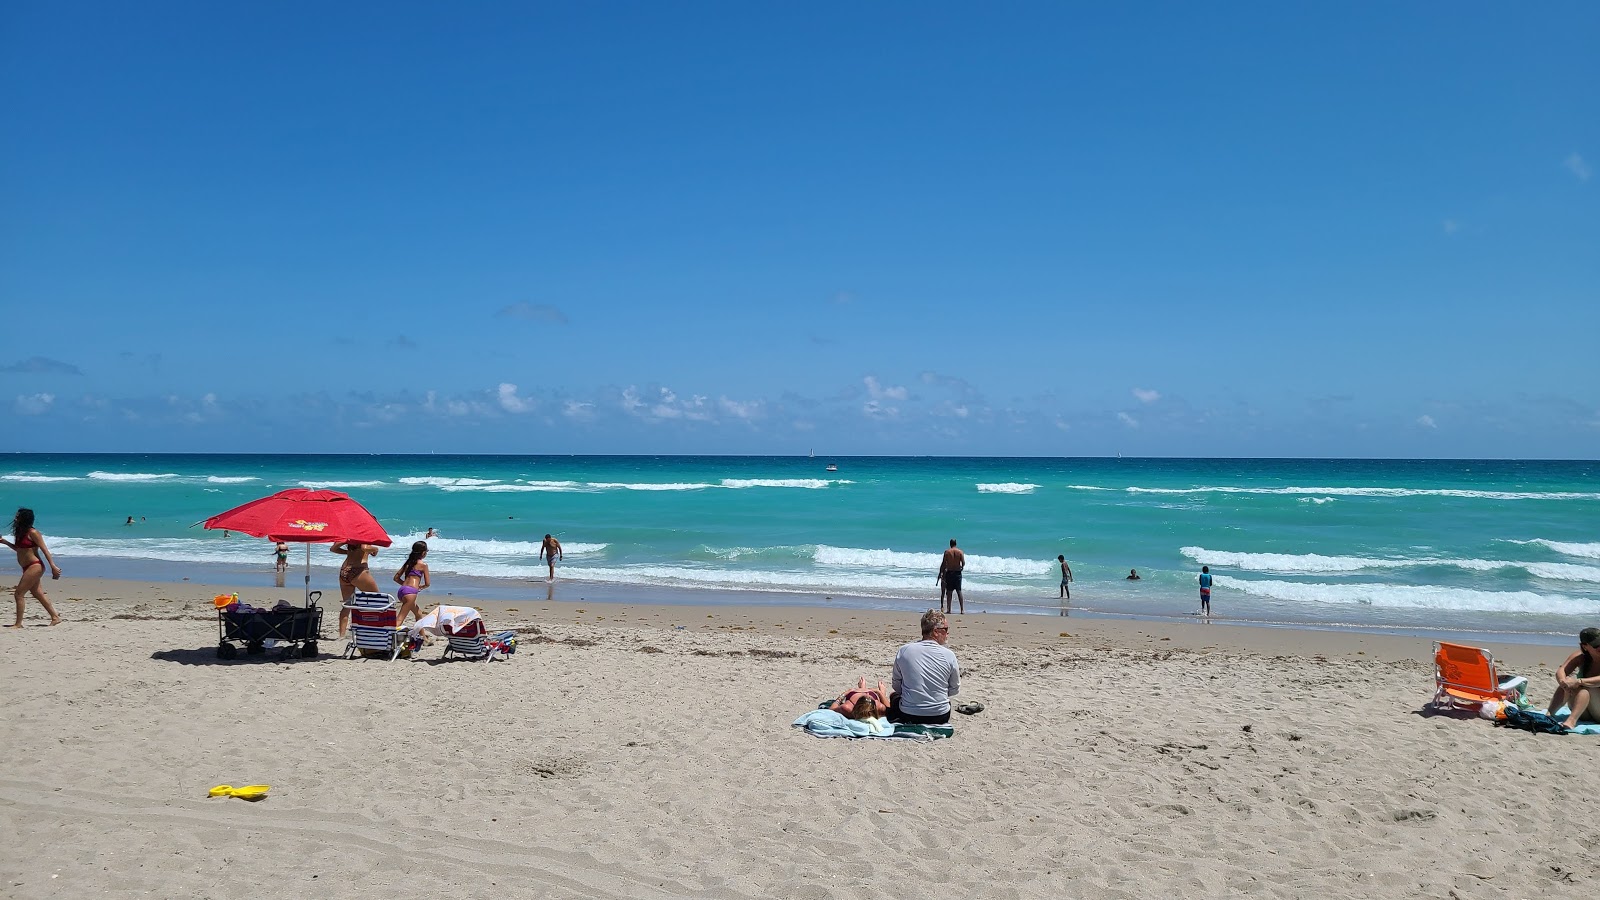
[(509, 401), (1145, 395), (665, 406), (1576, 165), (878, 391), (1426, 422), (1062, 425), (1127, 420), (740, 410), (872, 409), (573, 409), (34, 404)]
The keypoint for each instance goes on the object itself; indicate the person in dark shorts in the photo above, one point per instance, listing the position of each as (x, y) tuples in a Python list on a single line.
[(1205, 591), (950, 569), (926, 676)]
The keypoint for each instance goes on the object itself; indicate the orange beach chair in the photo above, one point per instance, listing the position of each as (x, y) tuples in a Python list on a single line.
[(1464, 677)]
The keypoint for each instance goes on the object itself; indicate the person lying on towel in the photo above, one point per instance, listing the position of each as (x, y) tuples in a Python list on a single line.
[(866, 705)]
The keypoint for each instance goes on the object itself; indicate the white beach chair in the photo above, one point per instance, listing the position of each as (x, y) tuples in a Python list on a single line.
[(471, 642), (375, 630)]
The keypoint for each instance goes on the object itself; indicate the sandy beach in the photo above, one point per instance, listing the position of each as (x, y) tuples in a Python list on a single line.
[(634, 750)]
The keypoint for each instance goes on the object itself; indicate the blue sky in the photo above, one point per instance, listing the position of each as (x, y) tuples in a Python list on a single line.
[(1036, 229)]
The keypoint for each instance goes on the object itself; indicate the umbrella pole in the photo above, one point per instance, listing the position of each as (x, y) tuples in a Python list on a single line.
[(308, 574)]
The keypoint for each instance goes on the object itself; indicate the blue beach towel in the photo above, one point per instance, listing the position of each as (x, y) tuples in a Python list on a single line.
[(825, 723), (1582, 727)]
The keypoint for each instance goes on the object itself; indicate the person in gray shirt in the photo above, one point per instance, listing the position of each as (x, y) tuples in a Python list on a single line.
[(926, 676)]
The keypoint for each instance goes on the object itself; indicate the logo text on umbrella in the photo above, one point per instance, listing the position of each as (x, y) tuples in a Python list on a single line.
[(303, 525)]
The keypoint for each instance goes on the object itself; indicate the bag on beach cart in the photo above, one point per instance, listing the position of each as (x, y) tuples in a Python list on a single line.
[(294, 629)]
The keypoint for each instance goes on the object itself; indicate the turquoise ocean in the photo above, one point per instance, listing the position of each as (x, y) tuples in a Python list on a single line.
[(1507, 548)]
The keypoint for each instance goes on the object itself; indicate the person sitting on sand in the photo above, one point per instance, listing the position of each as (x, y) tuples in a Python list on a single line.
[(1577, 679), (354, 575), (926, 676), (29, 544), (1133, 575)]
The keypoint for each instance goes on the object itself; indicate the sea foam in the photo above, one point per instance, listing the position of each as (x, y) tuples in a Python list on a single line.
[(1420, 597), (810, 483), (131, 476), (1589, 551), (1377, 492), (927, 562), (1009, 487), (1317, 564)]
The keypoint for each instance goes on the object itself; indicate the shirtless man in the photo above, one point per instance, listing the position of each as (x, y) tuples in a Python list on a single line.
[(950, 569), (551, 548)]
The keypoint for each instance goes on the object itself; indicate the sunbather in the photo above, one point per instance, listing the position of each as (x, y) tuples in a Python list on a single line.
[(1577, 680), (862, 702), (869, 706)]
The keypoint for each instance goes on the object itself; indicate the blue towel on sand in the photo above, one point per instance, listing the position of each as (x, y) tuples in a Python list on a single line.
[(825, 723), (1582, 727)]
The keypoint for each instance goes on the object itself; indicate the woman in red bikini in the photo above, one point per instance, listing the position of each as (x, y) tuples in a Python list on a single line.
[(413, 580), (29, 544), (354, 575)]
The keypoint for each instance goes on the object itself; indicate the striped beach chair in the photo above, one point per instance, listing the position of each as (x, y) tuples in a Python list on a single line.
[(471, 642), (375, 630)]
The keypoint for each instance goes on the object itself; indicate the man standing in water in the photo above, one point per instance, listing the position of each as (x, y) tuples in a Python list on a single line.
[(1066, 579), (950, 569), (1205, 591), (551, 548)]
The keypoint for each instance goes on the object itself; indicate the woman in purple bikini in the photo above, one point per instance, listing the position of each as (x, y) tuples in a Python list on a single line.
[(29, 544), (413, 579)]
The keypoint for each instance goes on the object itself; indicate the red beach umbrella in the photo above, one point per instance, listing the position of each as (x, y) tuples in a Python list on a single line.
[(304, 516)]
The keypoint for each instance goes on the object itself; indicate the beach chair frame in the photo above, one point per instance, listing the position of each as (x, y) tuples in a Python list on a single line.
[(472, 644), (375, 629), (1465, 677)]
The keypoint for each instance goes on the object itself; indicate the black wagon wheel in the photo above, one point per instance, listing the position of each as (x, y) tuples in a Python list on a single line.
[(226, 650)]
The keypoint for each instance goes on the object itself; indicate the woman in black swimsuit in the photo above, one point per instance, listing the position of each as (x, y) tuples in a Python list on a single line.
[(29, 544)]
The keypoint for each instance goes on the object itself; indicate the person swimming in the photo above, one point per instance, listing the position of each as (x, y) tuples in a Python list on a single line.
[(1133, 575)]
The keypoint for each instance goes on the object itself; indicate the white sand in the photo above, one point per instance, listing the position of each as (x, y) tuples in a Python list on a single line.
[(628, 758)]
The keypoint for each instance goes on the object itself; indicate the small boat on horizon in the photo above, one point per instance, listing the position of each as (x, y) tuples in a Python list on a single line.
[(832, 467)]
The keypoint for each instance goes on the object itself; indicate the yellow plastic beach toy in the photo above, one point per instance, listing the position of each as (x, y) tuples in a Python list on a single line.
[(221, 600), (248, 792)]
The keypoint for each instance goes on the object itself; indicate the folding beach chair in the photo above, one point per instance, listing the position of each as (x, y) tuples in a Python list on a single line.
[(471, 642), (375, 630), (1465, 677)]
